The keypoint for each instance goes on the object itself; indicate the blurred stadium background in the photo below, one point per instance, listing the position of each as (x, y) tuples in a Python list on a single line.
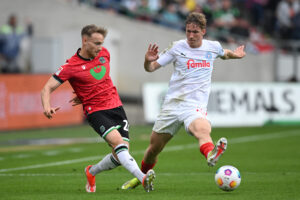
[(56, 36), (261, 89)]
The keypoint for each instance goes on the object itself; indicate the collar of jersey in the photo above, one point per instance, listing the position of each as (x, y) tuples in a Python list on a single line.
[(86, 59)]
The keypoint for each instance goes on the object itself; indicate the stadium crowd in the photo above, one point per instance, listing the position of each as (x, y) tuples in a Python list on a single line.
[(228, 20), (11, 37), (256, 23)]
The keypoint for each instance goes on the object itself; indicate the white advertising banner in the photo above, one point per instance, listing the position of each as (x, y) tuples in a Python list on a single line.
[(238, 104)]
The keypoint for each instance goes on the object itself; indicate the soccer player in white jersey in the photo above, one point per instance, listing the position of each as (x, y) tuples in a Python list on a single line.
[(187, 97)]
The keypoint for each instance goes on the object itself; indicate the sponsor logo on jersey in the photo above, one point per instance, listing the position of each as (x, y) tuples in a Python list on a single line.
[(102, 60), (182, 54), (98, 72), (202, 64), (83, 67)]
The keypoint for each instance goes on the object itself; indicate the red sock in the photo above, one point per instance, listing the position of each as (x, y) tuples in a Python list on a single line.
[(206, 148), (145, 167)]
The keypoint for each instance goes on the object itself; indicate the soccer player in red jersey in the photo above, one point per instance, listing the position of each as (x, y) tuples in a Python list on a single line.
[(88, 73)]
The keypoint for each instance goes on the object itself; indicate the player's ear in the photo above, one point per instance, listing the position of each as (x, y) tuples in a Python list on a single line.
[(84, 39), (203, 31)]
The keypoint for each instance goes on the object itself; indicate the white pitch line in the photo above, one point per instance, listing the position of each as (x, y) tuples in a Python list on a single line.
[(80, 174), (253, 138), (244, 139), (39, 174), (116, 173)]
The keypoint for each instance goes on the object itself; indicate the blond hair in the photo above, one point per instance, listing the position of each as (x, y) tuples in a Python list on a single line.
[(196, 18), (90, 29)]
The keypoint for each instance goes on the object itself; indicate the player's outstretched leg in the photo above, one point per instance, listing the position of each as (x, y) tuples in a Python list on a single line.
[(131, 184), (91, 180), (148, 180), (217, 152)]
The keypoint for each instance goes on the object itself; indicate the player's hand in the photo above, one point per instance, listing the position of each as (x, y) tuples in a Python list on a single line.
[(49, 112), (239, 52), (75, 101), (152, 53)]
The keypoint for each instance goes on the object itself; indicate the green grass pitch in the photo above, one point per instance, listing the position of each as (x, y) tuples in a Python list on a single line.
[(268, 159)]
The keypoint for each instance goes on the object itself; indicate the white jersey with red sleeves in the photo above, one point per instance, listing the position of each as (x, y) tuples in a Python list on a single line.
[(191, 80)]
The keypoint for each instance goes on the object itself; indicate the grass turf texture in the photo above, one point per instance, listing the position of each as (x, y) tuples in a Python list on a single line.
[(267, 157)]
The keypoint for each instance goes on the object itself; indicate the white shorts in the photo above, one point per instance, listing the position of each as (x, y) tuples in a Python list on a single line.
[(169, 121)]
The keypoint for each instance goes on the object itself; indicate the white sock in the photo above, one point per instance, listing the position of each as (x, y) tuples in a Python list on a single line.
[(128, 161), (107, 163)]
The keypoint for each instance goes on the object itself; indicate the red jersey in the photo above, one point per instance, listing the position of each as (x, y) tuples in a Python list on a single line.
[(91, 81)]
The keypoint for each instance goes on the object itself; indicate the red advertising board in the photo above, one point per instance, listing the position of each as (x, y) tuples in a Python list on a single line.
[(21, 107)]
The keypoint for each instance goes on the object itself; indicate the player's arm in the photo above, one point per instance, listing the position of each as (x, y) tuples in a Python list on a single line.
[(49, 87), (151, 56), (236, 54)]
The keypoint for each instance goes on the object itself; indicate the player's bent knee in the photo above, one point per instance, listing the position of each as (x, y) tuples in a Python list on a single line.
[(200, 127)]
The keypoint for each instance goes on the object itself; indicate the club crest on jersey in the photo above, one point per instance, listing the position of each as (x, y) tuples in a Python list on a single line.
[(202, 64), (102, 60), (208, 56), (98, 72)]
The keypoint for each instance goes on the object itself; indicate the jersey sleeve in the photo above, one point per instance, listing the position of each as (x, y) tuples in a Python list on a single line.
[(220, 49), (167, 56), (62, 74)]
